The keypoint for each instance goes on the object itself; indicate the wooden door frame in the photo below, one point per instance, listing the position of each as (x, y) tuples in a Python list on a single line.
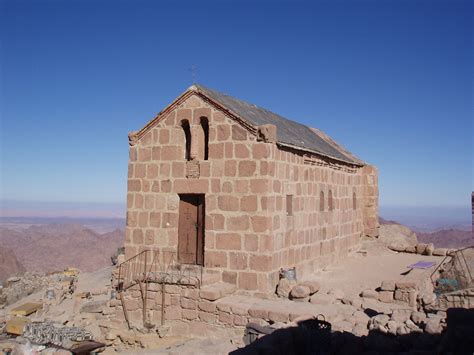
[(199, 200)]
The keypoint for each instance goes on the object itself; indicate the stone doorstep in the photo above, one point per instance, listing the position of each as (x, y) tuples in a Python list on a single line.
[(216, 291)]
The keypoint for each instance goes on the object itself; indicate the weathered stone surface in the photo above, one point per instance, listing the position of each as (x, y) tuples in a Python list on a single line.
[(429, 249), (405, 285), (387, 285), (440, 251), (319, 298), (16, 325), (300, 291), (386, 296), (93, 307), (370, 294), (284, 287), (379, 320), (337, 293), (392, 327), (314, 286), (401, 315), (433, 326), (419, 318), (420, 248), (360, 330)]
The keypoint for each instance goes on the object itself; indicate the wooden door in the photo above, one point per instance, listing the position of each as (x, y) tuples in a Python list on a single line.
[(191, 229)]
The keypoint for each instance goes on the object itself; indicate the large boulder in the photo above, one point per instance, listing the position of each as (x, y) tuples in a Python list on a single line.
[(397, 236)]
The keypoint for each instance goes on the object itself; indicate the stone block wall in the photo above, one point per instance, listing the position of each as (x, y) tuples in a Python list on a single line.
[(246, 180), (326, 216)]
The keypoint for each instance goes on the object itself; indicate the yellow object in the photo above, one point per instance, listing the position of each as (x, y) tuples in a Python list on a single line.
[(71, 271), (16, 325), (26, 309)]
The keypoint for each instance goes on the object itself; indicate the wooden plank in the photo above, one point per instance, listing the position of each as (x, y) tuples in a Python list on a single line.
[(187, 229), (200, 231)]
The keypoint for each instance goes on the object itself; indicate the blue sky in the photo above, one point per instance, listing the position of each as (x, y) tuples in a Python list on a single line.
[(390, 80)]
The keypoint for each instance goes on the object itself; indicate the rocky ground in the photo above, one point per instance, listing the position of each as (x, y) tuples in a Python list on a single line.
[(372, 303)]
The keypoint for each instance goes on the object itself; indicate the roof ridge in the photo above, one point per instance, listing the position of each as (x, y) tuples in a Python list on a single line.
[(289, 131)]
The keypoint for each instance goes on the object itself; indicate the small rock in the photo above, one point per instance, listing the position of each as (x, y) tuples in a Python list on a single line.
[(360, 329), (163, 330), (420, 248), (429, 298), (429, 249), (433, 326), (284, 287), (402, 330), (419, 318), (410, 249), (300, 291), (361, 317), (392, 327), (412, 326), (401, 315), (380, 319)]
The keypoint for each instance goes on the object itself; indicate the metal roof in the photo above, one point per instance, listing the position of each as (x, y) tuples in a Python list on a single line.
[(288, 132)]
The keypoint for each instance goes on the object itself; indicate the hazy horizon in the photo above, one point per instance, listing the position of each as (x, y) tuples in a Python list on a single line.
[(421, 218)]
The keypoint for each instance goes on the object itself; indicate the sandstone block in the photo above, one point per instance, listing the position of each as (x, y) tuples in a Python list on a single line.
[(401, 315), (420, 248), (300, 291), (209, 307), (386, 296), (419, 318), (314, 286), (258, 312), (278, 316), (172, 313), (440, 251), (369, 294)]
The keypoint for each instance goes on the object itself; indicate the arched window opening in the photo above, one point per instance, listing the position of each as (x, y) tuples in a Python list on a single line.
[(354, 201), (330, 201), (321, 201), (187, 136), (205, 128)]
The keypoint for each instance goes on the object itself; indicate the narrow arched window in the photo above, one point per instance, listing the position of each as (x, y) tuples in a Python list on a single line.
[(354, 201), (205, 128), (187, 136), (330, 201), (321, 201)]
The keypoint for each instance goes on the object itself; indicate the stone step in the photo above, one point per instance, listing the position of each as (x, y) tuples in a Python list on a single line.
[(216, 291)]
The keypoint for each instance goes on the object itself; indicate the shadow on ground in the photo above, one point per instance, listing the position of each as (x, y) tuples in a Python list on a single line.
[(457, 338)]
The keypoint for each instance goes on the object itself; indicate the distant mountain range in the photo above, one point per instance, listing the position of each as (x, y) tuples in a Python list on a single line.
[(9, 265), (444, 238), (53, 247), (447, 238)]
